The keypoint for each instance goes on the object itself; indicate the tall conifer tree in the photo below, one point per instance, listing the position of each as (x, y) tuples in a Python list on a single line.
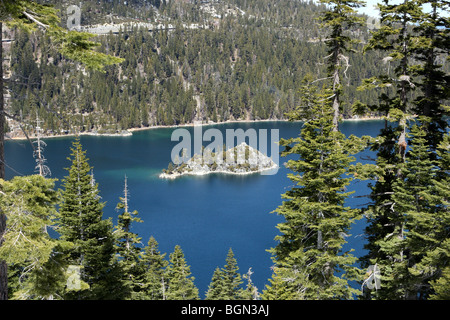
[(339, 17), (81, 222), (405, 246), (431, 48), (417, 255), (396, 235), (309, 251), (154, 264), (30, 15), (216, 289), (27, 246), (180, 283), (428, 236), (232, 279), (127, 246), (226, 282), (394, 38)]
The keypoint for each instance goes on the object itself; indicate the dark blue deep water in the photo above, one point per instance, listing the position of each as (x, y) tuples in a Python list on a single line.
[(205, 215)]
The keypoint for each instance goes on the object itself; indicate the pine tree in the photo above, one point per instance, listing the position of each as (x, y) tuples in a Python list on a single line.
[(289, 281), (180, 283), (441, 286), (404, 247), (395, 39), (417, 253), (81, 222), (232, 279), (29, 15), (434, 266), (309, 251), (397, 237), (431, 48), (412, 197), (127, 246), (226, 282), (30, 202), (154, 263), (251, 291), (216, 289), (340, 17)]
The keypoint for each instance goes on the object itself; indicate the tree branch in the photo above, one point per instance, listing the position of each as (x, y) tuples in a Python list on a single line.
[(29, 16)]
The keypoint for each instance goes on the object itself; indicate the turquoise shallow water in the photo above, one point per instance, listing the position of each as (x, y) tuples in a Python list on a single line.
[(205, 215)]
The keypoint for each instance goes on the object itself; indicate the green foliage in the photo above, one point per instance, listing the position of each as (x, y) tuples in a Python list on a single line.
[(308, 254), (428, 223), (26, 245), (81, 222), (30, 204), (286, 283), (339, 17), (242, 69), (430, 47), (406, 216), (30, 15), (226, 282), (154, 264), (180, 283), (442, 286), (127, 248), (216, 288)]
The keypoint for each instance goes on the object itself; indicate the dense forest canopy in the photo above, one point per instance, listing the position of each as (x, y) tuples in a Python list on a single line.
[(242, 61)]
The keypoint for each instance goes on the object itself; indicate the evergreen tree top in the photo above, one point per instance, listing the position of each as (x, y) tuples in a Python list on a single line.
[(31, 15)]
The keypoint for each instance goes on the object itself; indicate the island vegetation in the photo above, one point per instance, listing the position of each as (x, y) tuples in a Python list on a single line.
[(240, 160)]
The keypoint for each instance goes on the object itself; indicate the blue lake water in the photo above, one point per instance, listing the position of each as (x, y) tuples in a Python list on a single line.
[(205, 215)]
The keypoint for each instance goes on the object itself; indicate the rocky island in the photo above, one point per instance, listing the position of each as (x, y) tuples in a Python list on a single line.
[(241, 160)]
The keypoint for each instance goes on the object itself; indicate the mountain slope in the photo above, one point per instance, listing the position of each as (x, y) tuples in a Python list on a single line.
[(210, 61)]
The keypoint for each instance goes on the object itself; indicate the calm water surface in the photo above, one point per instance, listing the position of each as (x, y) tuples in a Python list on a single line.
[(205, 215)]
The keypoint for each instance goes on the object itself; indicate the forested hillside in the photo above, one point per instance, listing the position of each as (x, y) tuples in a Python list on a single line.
[(235, 60), (242, 61)]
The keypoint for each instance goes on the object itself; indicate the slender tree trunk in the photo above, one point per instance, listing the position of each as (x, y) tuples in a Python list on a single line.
[(321, 199), (336, 102), (403, 93), (3, 265), (430, 63), (403, 124), (336, 61)]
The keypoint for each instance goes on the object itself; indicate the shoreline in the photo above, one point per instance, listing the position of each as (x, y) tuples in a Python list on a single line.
[(173, 176), (129, 132)]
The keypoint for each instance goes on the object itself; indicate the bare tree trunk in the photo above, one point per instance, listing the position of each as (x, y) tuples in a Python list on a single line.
[(336, 85), (336, 110), (3, 265)]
